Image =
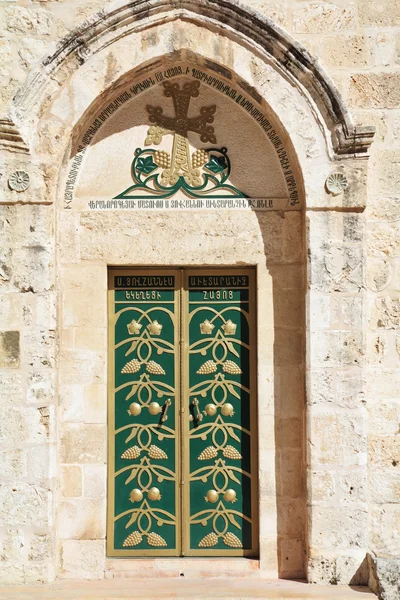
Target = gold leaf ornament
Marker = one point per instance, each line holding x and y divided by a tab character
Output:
208	541
133	366
153	539
133	539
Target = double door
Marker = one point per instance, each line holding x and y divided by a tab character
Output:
182	468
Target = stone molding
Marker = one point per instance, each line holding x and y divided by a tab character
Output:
256	31
11	138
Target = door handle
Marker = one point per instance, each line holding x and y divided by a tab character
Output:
164	416
198	416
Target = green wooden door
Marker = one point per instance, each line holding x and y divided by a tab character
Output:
182	434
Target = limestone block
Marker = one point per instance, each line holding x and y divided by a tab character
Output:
13	464
384	208
39	349
82	367
41	387
69	239
337	348
10	311
82	559
349	51
352	486
277	11
42	463
292	558
379	274
352	312
78	308
291	517
376	348
314	17
82	518
321	486
382	14
38	573
339	439
72	403
351	388
336	267
385	529
383	383
12	575
289	391
290	475
45	311
94	338
386	313
289	433
23	20
83	277
95	404
11	390
292	247
384	48
384	416
321	386
14	428
384	576
32	268
382	241
9	349
379	119
341	569
384	485
94	481
25	504
42	182
286	277
84	444
375	90
71	481
338	528
384	451
12	545
289	349
288	309
40	547
386	172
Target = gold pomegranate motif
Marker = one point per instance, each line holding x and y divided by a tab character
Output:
210	410
135	409
230	495
227	409
132	366
208	367
230	539
154	493
230	367
136	495
156	452
208	541
153	539
231	452
133	539
208	453
154	408
212	496
154	368
131	453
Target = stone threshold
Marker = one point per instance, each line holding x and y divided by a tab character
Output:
195	568
183	588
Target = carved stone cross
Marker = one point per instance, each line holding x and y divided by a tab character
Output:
181	164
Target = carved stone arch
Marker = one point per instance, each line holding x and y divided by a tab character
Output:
229	17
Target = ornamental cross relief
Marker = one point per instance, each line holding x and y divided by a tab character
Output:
180	125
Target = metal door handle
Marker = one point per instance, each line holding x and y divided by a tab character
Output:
199	416
166	407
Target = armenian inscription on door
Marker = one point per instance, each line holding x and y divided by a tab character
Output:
182	436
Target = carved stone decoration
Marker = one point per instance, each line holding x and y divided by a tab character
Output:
19	181
336	183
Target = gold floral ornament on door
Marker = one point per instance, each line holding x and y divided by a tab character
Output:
161	174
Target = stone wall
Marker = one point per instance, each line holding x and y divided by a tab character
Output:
353	305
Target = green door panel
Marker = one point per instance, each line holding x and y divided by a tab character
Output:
221	380
182	473
143	418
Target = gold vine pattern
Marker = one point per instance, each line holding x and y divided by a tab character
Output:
142	391
220	389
